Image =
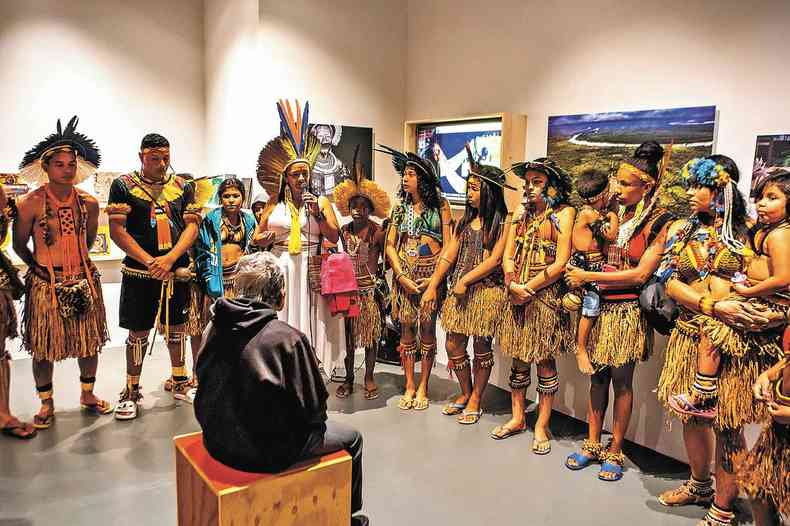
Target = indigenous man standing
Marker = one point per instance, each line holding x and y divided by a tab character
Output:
64	310
154	219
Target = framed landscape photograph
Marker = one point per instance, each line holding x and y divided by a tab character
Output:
602	140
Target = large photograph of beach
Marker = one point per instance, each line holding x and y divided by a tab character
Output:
602	140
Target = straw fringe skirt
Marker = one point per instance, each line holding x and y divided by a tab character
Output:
535	332
366	328
199	308
743	358
478	313
406	307
764	473
620	335
47	336
8	323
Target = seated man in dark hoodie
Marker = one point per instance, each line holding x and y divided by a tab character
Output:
262	401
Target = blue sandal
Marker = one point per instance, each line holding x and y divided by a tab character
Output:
612	467
580	460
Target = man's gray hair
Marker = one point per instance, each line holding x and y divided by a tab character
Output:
259	277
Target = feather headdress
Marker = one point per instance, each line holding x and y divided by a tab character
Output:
559	185
489	173
360	186
401	160
293	145
31	169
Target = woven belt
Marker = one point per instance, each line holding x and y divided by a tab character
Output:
135	272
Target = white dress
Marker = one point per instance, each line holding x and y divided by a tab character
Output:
304	310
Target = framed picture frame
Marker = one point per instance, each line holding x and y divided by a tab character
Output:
498	139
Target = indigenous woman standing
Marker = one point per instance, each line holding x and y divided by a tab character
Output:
294	226
477	296
621	336
419	229
705	252
223	238
534	327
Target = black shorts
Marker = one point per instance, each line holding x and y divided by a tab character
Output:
140	301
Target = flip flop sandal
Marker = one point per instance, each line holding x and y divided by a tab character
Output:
581	461
371	394
468	418
19	430
421	404
102	407
405	404
541	447
43	422
612	467
507	432
344	390
168	385
453	408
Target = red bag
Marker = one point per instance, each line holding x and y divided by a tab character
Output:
339	285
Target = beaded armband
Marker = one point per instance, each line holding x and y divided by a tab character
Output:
118	209
192	213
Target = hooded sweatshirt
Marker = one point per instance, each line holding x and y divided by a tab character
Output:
261	393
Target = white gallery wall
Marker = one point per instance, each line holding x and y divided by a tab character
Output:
557	58
126	68
347	57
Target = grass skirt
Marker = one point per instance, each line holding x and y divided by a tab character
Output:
478	313
743	358
199	308
366	328
406	307
196	321
47	336
620	335
764	473
8	324
535	332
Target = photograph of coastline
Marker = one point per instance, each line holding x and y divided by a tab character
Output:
773	150
602	140
445	143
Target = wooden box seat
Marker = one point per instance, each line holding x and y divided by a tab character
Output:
315	492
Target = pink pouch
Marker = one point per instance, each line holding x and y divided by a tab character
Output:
337	274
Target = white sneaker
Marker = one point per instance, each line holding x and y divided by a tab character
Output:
126	410
183	391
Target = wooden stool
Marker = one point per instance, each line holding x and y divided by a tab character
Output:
316	492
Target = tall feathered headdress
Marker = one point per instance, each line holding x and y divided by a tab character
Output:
293	145
31	168
360	186
401	160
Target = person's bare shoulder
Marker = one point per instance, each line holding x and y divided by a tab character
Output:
30	202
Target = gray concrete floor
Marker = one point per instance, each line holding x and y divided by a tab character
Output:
420	467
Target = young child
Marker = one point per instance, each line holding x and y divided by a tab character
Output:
767	278
363	240
596	226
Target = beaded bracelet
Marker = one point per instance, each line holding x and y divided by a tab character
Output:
780	397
